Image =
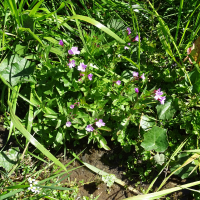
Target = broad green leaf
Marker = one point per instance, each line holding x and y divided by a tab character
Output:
52	40
156	139
32	140
9	158
147	122
159	158
16	69
166	111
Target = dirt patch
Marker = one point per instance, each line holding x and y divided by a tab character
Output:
93	183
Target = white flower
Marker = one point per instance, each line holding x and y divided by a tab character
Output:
32	188
30	180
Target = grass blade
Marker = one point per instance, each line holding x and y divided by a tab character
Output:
32	140
98	25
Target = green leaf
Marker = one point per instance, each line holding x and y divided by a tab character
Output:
105	128
147	122
9	158
166	111
98	25
32	140
159	158
156	139
16	69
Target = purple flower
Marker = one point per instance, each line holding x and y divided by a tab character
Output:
72	106
71	64
100	123
118	82
136	38
136	90
162	100
90	76
129	30
89	128
142	77
61	43
82	67
68	124
158	94
135	74
81	74
126	47
129	44
74	51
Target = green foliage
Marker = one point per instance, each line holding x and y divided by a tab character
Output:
156	139
35	67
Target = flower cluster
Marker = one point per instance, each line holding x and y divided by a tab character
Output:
136	74
32	187
71	64
99	124
158	96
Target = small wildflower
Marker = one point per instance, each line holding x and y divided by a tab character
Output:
74	51
31	180
158	94
35	182
79	79
71	64
72	106
142	77
37	190
81	74
136	38
82	67
100	123
32	188
136	90
129	44
129	30
94	66
90	76
119	55
68	124
118	82
126	47
61	43
135	74
89	128
162	99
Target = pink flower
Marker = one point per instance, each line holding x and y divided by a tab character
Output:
135	74
89	128
142	77
129	44
82	67
90	76
129	30
126	47
81	74
118	82
74	51
61	43
71	64
136	90
136	38
162	100
68	124
100	123
158	94
72	106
